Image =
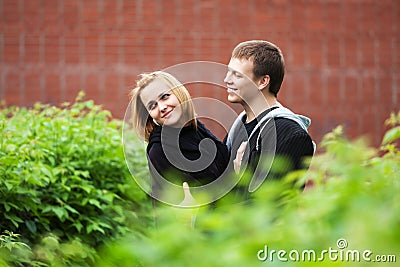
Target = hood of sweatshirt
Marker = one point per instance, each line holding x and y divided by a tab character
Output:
279	112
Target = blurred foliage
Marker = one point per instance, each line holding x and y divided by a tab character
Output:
354	200
63	174
67	191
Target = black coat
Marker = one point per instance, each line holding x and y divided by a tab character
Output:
184	163
282	141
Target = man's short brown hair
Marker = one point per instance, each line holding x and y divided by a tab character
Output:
267	59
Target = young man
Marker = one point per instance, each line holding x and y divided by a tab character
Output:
265	133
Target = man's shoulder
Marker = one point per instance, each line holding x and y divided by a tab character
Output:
288	126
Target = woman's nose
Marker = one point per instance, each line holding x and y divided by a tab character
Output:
162	105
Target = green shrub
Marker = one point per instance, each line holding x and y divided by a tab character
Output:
66	190
63	172
352	207
17	252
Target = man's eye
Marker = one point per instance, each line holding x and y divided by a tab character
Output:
237	74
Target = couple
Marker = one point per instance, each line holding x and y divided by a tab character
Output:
164	116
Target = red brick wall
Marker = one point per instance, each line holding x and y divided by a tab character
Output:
342	56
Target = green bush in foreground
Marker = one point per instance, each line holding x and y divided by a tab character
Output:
66	191
350	217
64	180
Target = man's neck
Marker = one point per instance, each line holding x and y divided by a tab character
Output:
255	109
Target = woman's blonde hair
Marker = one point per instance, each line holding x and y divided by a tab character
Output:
142	122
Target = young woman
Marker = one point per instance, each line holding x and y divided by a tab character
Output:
180	148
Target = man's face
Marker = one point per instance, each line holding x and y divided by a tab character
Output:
240	81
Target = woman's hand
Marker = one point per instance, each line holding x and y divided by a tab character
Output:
239	156
188	199
188	216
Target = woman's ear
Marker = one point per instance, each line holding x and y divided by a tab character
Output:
263	82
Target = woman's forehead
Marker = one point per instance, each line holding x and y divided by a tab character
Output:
153	90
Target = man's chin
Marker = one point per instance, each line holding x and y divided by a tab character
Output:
234	99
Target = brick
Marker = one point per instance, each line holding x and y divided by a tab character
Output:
351	53
298	53
352	124
91	18
52	53
317	89
388	19
333	17
92	87
347	49
333	98
367	51
386	48
299	94
72	49
130	12
110	14
10	14
13	88
111	49
396	92
31	16
32	47
368	19
316	53
286	91
351	18
316	17
91	49
112	95
51	19
333	52
386	85
149	49
11	50
53	88
352	90
129	81
72	14
32	80
72	86
368	90
298	14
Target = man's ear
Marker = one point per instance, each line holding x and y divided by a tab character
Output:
263	82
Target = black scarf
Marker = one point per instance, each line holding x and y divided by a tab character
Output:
187	162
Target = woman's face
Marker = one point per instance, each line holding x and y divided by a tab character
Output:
162	105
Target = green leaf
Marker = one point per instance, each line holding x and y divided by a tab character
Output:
14	219
6	206
94	227
391	135
95	202
71	209
47	171
78	226
31	226
60	212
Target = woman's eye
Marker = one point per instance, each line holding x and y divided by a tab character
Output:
165	96
152	106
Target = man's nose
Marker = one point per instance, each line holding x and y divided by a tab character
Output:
227	78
